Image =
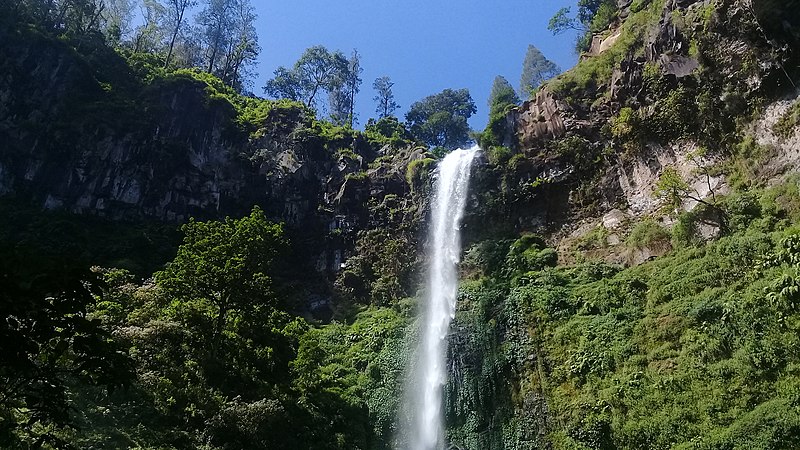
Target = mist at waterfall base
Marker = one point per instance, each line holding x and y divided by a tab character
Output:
423	427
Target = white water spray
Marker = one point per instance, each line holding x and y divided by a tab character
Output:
426	430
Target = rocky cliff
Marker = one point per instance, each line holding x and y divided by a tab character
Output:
90	131
669	84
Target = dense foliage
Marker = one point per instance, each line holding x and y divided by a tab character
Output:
536	69
206	342
697	349
224	43
440	120
206	352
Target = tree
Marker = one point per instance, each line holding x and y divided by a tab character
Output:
502	94
175	13
501	98
149	33
384	97
317	70
342	95
117	16
593	16
48	340
224	269
536	69
285	84
440	120
216	22
673	190
561	22
243	48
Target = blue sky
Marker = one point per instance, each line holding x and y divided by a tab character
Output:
424	46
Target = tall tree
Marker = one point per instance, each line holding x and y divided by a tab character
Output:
502	93
342	95
117	16
317	70
440	120
536	69
149	33
174	19
243	48
384	97
223	270
215	21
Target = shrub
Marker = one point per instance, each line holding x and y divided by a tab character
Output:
684	232
418	171
583	81
638	5
594	239
357	176
648	234
498	156
387	131
787	124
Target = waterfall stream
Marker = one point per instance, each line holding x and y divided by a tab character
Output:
424	392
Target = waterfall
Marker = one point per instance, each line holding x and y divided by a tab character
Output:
424	391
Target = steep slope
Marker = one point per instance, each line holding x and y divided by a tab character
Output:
662	140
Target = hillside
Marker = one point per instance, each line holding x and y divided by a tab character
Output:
629	278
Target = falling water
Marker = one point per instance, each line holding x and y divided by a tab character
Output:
426	431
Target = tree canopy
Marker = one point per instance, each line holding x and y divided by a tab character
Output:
536	69
384	97
216	36
593	16
224	269
502	93
440	120
47	341
318	69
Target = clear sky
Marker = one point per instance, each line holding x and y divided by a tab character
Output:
424	46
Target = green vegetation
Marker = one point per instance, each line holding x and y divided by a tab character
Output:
536	69
648	234
384	97
594	16
77	242
502	99
210	342
440	120
586	78
787	124
224	43
418	171
388	131
317	72
206	352
695	349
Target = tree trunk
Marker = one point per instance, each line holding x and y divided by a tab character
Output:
214	48
174	36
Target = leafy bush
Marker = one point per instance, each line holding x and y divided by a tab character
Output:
387	131
648	234
529	253
498	156
418	171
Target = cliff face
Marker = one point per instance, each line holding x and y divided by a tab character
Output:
678	109
667	85
91	133
69	143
